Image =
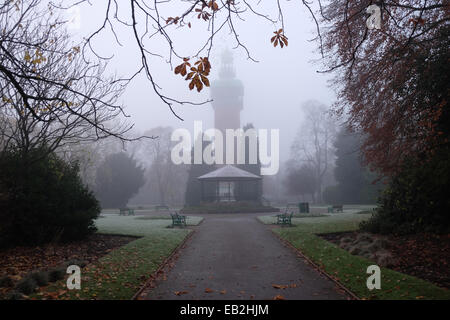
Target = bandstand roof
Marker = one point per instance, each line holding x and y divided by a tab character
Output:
229	172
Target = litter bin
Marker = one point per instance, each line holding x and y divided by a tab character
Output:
303	207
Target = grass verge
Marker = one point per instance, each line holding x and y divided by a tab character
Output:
121	273
348	269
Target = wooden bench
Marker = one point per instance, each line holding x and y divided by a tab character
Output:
285	218
126	212
178	220
161	207
336	208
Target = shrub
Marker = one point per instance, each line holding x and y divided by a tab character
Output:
6	282
26	286
45	199
14	295
118	179
41	278
416	199
228	207
56	274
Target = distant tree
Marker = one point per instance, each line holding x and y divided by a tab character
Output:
355	182
193	194
313	144
301	180
117	180
164	177
90	155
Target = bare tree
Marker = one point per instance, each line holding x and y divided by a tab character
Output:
156	22
90	155
300	180
313	144
166	178
50	93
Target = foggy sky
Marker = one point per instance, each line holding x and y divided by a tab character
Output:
274	88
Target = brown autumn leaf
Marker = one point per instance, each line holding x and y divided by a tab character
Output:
223	291
280	286
280	38
208	290
182	68
171	19
199	85
198	74
205	80
202	14
179	293
213	5
279	297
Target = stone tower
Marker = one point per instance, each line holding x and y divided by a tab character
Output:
227	93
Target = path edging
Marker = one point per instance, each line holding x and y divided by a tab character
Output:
316	266
162	265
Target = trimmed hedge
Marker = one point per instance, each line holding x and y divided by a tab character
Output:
229	207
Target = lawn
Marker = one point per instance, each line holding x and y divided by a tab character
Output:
348	269
121	273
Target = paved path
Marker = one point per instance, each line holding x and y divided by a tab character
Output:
240	255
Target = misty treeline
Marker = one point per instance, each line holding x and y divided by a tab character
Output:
326	165
59	108
145	175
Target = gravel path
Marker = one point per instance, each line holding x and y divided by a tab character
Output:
234	256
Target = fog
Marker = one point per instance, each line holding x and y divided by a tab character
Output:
223	150
274	87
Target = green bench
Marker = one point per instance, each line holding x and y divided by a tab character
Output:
178	220
336	208
126	212
285	218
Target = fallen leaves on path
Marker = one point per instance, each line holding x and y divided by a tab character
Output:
279	297
223	291
179	293
280	286
208	290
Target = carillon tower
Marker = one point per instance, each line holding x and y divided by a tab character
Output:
227	93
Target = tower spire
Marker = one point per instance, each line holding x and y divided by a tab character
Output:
227	70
